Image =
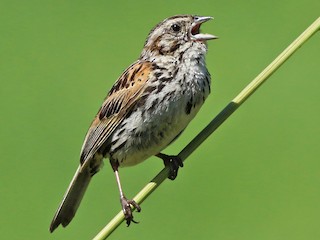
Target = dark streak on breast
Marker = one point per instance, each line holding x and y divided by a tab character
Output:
154	104
160	87
181	56
208	82
170	94
166	79
158	74
150	89
156	66
141	101
188	108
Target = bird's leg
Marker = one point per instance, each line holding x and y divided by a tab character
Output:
125	203
173	162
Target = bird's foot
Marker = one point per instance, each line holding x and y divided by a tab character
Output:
127	211
173	162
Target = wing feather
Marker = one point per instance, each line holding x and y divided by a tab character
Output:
123	96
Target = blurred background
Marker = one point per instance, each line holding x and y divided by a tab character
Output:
256	177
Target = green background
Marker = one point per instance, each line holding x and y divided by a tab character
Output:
257	177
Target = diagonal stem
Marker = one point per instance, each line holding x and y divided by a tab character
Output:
215	123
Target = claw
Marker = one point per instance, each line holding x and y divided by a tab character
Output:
174	162
127	211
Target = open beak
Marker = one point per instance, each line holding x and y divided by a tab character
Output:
195	30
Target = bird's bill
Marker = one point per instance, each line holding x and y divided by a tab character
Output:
195	29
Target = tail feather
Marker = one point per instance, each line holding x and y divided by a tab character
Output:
72	198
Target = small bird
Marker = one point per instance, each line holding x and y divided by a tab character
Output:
147	108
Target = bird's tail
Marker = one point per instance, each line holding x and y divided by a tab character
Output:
72	198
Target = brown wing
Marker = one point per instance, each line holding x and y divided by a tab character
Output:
123	96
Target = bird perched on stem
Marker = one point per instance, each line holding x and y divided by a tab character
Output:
147	108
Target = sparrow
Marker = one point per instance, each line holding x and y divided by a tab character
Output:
147	108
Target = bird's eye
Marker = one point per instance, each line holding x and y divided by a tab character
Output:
175	27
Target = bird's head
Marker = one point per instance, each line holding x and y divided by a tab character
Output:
173	33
